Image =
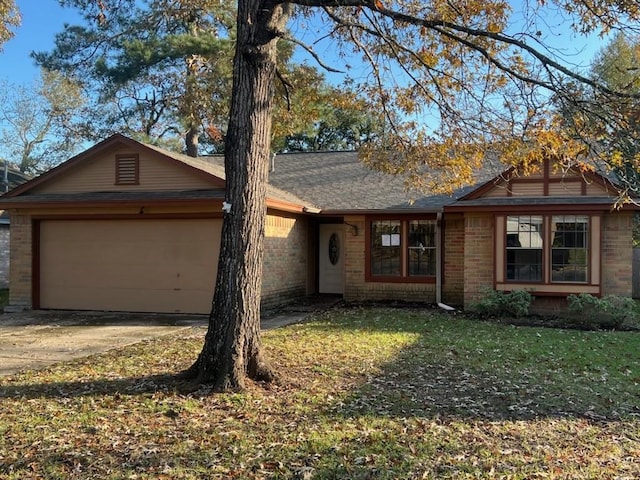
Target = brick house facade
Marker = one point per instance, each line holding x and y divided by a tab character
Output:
129	226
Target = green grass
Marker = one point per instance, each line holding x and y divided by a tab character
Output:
363	393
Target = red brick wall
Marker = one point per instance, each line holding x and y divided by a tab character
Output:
354	285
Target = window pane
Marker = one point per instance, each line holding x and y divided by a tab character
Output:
422	247
570	248
385	247
524	245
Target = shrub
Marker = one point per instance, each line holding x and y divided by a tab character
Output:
609	312
494	303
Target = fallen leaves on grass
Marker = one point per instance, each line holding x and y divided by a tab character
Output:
366	393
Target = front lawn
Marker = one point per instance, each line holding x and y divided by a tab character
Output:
365	394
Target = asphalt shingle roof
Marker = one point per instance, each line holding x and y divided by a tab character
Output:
339	181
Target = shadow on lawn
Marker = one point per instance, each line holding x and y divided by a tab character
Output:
398	421
446	373
119	386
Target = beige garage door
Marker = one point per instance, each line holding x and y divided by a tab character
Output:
129	265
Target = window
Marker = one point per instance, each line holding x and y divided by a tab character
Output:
569	248
402	249
524	248
385	247
422	247
547	249
127	170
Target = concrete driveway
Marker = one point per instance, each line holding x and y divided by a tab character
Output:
38	338
35	339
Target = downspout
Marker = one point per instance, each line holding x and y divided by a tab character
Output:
439	257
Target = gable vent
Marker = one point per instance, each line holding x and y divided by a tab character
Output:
127	170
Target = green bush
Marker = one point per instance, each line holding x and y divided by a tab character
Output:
494	303
608	313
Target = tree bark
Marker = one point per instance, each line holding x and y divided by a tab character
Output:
191	141
232	349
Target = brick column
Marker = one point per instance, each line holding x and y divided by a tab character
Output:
479	243
20	269
617	253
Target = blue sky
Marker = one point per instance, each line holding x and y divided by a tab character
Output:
41	20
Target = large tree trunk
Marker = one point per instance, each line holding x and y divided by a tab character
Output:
232	349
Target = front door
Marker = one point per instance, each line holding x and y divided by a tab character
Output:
331	259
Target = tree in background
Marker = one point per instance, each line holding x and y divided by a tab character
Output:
609	125
163	73
617	65
39	122
336	120
450	79
9	19
159	71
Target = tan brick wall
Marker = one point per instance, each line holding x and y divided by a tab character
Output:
354	261
453	248
5	252
479	250
20	269
285	259
617	253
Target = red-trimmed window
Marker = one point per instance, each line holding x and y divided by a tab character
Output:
386	247
401	250
569	248
525	242
547	248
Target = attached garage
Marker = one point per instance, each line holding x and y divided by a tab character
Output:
130	227
151	265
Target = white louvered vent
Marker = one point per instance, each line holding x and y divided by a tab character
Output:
127	170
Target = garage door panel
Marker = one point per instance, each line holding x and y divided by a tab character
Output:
129	265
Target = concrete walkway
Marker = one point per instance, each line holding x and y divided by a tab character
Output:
34	339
